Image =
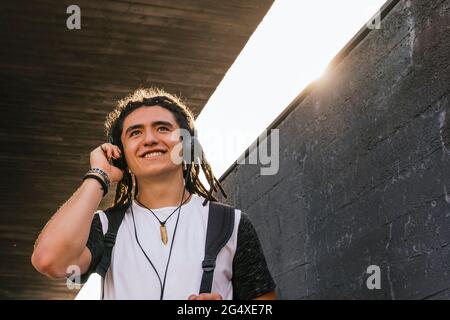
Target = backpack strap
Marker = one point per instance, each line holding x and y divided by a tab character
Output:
220	228
115	217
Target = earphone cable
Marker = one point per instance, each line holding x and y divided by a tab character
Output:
161	283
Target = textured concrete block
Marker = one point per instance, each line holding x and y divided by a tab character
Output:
364	174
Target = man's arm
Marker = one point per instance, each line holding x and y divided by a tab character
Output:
251	276
62	242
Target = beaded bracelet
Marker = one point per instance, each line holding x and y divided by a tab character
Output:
102	173
100	180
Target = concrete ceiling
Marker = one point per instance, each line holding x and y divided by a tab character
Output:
58	84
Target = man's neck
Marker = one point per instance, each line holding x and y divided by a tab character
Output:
162	191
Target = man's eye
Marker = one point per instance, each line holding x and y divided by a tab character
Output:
164	128
133	133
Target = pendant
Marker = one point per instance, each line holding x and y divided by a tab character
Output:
163	231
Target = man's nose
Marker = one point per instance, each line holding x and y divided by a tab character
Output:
150	138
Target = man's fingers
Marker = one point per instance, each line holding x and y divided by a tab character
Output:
206	296
107	150
216	296
110	151
104	148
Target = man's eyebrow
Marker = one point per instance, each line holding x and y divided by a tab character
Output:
163	123
155	123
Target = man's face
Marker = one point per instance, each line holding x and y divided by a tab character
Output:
147	138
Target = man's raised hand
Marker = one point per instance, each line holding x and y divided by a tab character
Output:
101	157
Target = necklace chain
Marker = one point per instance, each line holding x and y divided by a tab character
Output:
163	222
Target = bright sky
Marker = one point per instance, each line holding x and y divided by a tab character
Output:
291	47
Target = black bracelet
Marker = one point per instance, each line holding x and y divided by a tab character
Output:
102	173
100	180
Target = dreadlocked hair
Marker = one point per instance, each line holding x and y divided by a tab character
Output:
127	188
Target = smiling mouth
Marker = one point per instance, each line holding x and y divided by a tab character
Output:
153	155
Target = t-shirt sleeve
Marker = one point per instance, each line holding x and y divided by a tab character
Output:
95	244
251	276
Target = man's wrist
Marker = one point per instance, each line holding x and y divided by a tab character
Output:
93	186
100	180
102	173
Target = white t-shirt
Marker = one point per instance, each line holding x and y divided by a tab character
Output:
131	276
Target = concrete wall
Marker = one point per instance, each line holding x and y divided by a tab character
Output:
364	170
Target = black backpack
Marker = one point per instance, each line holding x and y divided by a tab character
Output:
220	228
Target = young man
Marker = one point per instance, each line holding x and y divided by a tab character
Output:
160	244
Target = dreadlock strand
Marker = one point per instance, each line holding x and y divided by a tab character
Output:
217	183
220	187
210	181
204	190
209	177
199	185
118	194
